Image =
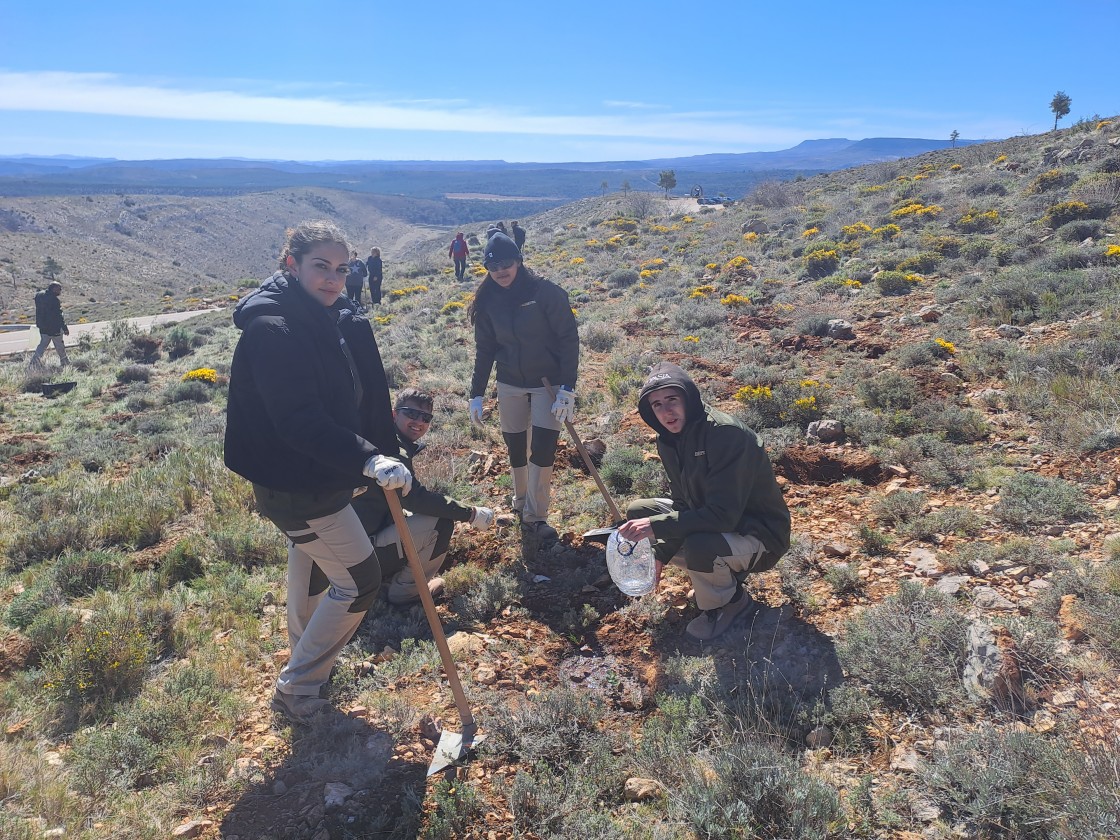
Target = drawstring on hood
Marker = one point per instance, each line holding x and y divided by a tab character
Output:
669	375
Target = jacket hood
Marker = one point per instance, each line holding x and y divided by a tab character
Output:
278	296
669	375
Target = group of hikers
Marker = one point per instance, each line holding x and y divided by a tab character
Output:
358	271
311	424
460	250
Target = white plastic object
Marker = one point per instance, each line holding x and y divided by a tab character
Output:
631	565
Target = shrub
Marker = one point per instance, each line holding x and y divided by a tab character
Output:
598	336
975	221
134	373
1066	211
477	595
909	649
899	508
83	572
183	563
181	341
923	263
1079	230
192	391
143	348
1052	179
821	263
1027	500
895	282
843	580
623	277
889	390
625	471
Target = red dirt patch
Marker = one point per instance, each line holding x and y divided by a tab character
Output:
826	465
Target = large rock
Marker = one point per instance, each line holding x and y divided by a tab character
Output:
991	672
826	430
840	329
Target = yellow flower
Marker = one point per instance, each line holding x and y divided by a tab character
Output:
578	260
1000	159
753	392
750	236
811	232
201	375
947	346
735	301
702	291
691	338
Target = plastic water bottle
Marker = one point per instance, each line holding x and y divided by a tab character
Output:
631	565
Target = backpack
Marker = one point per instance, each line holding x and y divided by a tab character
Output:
458	247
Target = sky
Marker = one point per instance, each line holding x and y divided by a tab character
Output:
536	81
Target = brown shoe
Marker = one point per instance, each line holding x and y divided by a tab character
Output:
712	624
299	708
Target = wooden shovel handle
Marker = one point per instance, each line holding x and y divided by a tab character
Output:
449	669
618	517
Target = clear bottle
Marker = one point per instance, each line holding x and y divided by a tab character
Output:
631	565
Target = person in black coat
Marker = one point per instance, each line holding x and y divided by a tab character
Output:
50	323
307	422
376	270
524	325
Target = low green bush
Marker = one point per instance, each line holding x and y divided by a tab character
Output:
895	282
1028	500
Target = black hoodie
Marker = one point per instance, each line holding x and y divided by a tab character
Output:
302	417
720	479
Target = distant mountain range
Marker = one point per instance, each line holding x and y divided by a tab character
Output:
531	186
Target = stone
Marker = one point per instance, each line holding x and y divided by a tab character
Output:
1069	620
929	314
991	671
819	737
836	549
951	584
279	788
1009	331
639	790
840	329
485	675
987	598
192	828
905	760
462	642
924	562
336	793
826	430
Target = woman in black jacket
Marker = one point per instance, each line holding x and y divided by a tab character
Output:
525	325
307	419
376	274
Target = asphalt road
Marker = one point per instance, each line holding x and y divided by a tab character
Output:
14	341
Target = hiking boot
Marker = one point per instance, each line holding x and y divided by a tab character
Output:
399	596
541	531
712	624
299	708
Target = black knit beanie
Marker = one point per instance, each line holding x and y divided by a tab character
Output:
500	248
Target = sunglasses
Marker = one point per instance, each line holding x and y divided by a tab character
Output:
500	266
416	414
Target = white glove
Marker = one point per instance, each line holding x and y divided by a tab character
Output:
564	409
476	410
389	472
482	518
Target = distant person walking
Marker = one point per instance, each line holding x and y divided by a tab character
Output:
502	228
490	231
518	235
355	279
525	324
376	271
50	323
459	252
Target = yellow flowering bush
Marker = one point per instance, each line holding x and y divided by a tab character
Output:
201	375
692	339
578	261
810	232
947	346
687	220
656	264
739	265
976	222
1000	159
752	393
1103	124
712	266
956	167
887	231
874	188
105	661
702	291
734	301
1066	211
916	208
383	320
856	230
750	236
410	290
620	224
1112	252
822	262
453	306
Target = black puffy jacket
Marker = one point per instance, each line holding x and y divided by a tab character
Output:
301	418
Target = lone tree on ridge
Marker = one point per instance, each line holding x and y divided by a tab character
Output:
1060	106
667	180
953	137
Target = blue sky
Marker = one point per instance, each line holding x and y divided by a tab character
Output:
536	81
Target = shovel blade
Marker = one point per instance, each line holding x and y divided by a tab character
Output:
452	748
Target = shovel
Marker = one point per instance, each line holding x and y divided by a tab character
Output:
598	534
452	746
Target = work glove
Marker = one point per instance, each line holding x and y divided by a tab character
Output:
564	409
476	410
389	473
481	519
65	330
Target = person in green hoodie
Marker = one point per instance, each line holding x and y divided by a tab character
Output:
726	517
